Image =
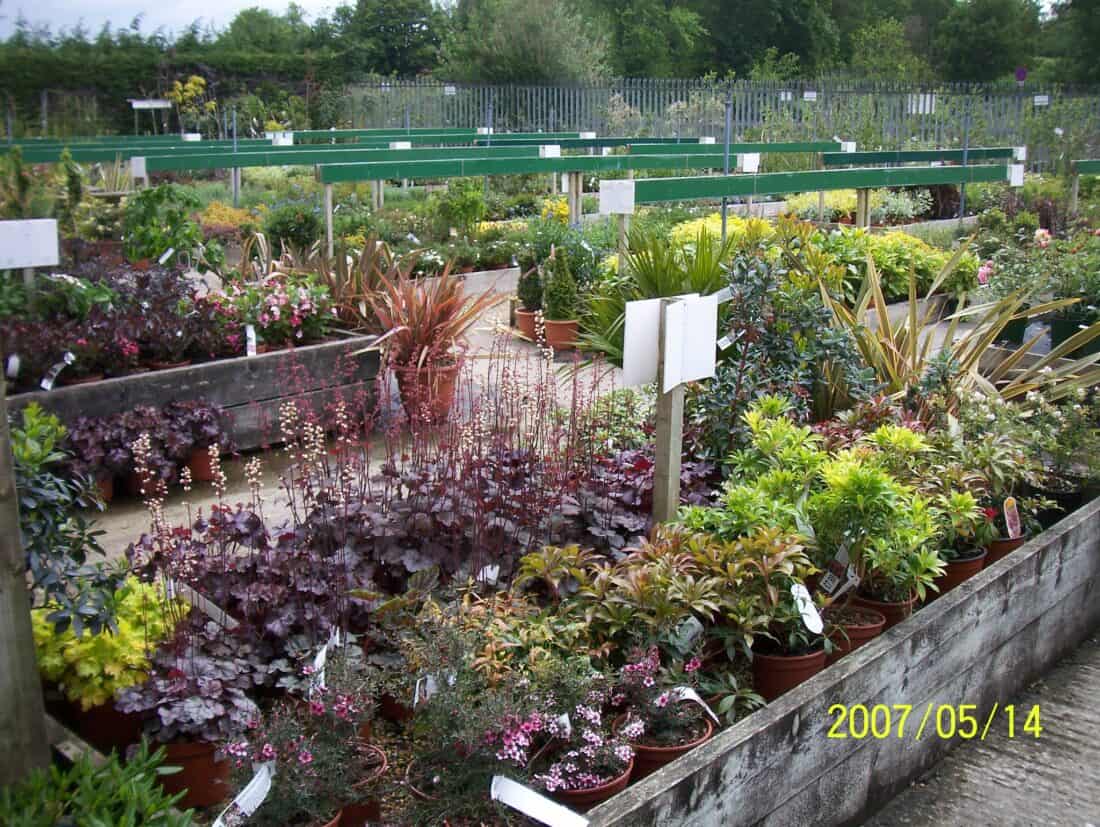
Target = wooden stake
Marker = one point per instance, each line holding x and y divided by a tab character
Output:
22	714
1074	192
670	436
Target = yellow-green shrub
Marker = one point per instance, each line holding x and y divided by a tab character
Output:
91	669
219	214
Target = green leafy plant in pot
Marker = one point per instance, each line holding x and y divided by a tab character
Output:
529	290
965	531
424	323
561	300
885	528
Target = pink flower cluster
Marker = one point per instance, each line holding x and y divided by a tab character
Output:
518	734
984	272
1042	238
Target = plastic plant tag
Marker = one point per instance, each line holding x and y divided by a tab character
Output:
725	343
1012	519
47	382
686	693
807	609
835	572
13	366
317	676
167	254
249	340
489	574
533	804
686	633
425	687
565	724
251	797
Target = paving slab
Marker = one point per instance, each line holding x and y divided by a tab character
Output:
1020	781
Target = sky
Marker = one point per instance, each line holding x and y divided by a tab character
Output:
173	16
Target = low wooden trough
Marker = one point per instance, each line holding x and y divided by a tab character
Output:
979	644
249	388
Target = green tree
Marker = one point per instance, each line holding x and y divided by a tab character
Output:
388	37
515	41
983	40
1071	38
881	51
650	38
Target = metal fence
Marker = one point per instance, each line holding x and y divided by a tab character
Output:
1055	123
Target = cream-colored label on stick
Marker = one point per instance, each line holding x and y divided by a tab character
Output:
533	804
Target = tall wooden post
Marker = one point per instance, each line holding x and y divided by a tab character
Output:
670	435
22	714
1074	190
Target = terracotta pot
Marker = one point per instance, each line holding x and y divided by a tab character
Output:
105	728
202	469
647	759
82	380
525	323
772	675
894	613
855	634
394	710
585	799
561	335
157	364
106	486
142	264
1002	548
132	484
427	393
360	813
957	571
205	779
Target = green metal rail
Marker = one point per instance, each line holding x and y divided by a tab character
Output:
1085	167
314	154
651	190
839	159
464	167
112	152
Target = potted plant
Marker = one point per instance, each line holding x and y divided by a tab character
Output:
965	532
884	527
561	301
91	669
167	338
424	323
325	769
785	651
529	290
659	727
194	702
195	435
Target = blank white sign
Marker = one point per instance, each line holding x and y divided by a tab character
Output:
31	243
691	326
640	341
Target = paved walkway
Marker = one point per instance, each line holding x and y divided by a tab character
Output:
1021	782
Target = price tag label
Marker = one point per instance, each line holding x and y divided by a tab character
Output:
807	609
48	381
13	366
249	340
167	254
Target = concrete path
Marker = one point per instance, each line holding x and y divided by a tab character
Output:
1021	781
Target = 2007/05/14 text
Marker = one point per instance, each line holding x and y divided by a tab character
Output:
937	720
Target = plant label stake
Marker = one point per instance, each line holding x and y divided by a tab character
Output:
249	340
836	570
1012	519
532	804
810	616
686	693
250	798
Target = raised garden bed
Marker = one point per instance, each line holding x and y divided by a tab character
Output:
980	644
249	388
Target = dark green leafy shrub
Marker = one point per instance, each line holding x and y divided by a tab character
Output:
560	296
157	220
529	290
295	226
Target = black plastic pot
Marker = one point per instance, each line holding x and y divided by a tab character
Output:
1062	328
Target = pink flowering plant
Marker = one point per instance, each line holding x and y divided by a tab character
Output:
286	308
590	755
654	715
321	762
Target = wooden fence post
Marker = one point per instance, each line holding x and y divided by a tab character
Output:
22	714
